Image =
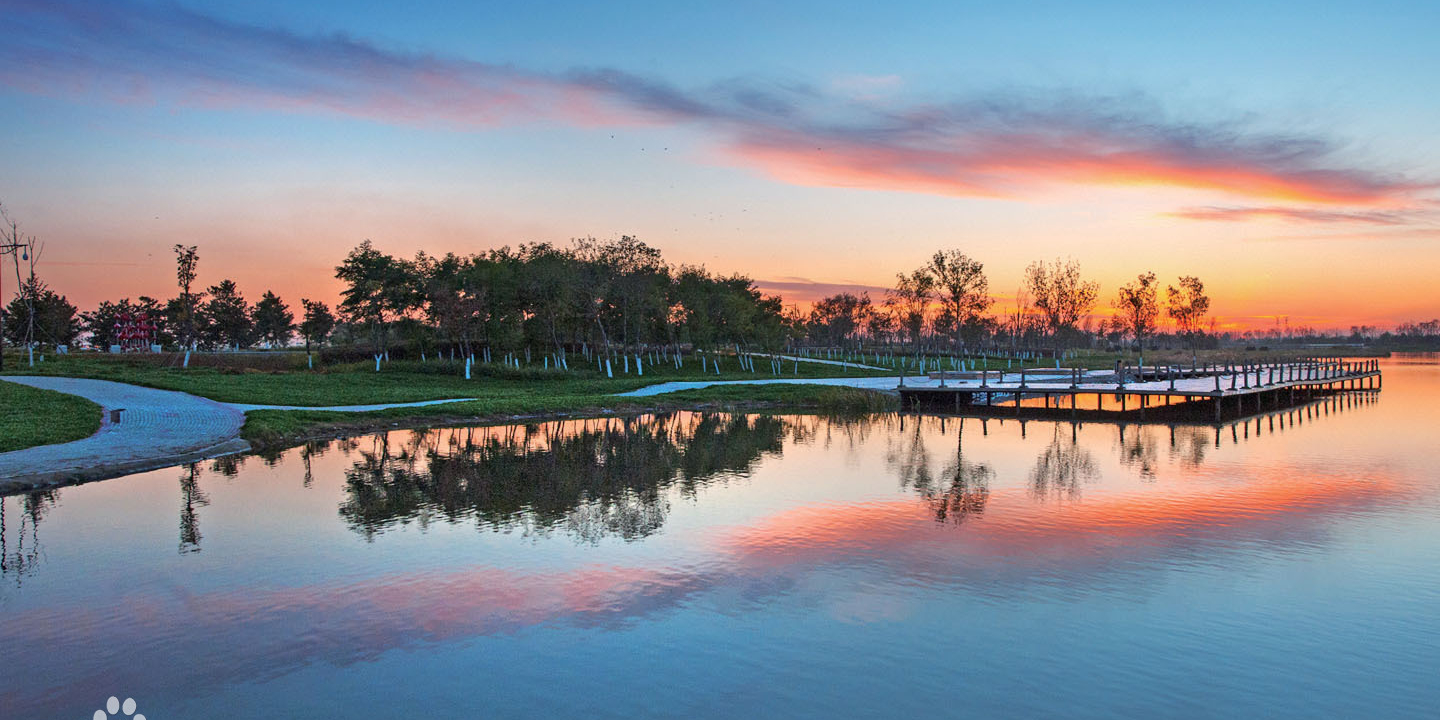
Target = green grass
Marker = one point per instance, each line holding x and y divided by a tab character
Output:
30	417
501	392
357	384
278	427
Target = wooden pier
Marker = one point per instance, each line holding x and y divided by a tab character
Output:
1218	390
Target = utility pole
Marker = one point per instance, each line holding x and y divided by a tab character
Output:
12	247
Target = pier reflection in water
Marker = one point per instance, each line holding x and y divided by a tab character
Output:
829	566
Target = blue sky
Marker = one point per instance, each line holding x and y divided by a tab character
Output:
811	142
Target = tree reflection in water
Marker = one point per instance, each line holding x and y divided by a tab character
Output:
1140	446
961	488
191	499
591	478
21	556
1062	468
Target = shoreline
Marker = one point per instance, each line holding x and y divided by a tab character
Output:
351	425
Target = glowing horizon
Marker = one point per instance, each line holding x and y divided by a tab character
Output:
276	138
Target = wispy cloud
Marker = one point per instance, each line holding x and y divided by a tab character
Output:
805	290
1378	235
1001	143
1301	215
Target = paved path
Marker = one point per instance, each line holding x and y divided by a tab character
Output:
822	361
156	429
864	383
245	407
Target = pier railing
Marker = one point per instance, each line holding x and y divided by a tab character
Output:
1228	387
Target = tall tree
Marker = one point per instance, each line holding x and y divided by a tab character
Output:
1062	298
1187	306
548	284
963	289
56	322
379	288
274	323
1137	308
184	316
26	249
226	317
839	317
317	323
909	301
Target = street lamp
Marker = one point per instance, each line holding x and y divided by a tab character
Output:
11	247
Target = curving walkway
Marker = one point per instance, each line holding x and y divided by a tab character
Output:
158	428
887	383
864	383
822	361
246	407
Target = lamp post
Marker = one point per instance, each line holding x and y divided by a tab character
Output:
11	247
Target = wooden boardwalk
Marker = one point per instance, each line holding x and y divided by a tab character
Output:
1227	390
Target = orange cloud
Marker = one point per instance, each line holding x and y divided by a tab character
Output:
986	144
1011	165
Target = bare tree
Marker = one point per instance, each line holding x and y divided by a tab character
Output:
26	249
1137	308
909	301
1187	306
1018	321
1060	295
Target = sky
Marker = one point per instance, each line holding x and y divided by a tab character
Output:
1284	154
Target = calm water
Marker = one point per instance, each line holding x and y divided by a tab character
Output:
724	566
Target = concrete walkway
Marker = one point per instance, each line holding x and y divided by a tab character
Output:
156	429
245	407
864	383
822	361
890	383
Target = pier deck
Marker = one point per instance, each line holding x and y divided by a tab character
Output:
1225	388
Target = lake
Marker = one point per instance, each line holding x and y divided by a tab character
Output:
715	565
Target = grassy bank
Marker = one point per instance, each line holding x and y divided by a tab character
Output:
359	384
502	393
271	428
30	416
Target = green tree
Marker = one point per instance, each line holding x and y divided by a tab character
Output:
963	289
183	315
548	286
836	319
226	318
317	324
274	323
378	289
56	320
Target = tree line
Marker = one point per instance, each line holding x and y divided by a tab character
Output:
616	298
610	298
945	306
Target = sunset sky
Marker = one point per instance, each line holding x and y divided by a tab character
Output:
1286	154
